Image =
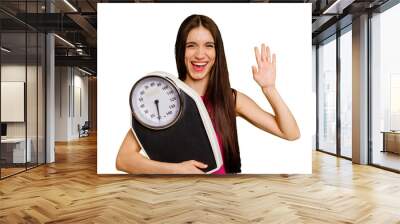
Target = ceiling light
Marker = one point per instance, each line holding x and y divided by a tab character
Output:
337	7
70	5
65	41
84	71
5	50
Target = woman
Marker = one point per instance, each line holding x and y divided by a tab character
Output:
201	63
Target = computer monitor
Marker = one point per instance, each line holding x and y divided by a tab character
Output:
3	129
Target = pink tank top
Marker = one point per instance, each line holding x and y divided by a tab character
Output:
221	170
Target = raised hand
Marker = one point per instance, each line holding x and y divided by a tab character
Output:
265	71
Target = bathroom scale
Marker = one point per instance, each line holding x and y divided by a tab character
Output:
171	122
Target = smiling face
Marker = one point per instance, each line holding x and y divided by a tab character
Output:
199	53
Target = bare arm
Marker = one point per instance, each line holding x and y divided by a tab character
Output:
281	124
131	161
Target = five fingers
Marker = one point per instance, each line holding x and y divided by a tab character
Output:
264	56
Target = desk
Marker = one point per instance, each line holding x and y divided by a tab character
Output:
15	148
391	141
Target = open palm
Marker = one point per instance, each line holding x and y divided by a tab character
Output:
265	71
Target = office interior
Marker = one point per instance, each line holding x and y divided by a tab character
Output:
47	81
49	93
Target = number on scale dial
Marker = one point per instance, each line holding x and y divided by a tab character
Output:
155	102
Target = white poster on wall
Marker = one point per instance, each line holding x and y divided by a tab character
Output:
12	101
135	39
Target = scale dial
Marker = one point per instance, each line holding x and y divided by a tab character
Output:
155	102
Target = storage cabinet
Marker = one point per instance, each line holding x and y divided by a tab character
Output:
391	141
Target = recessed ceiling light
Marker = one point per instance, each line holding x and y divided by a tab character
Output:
84	71
64	40
337	7
5	50
70	5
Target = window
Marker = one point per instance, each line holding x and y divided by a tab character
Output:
346	93
385	88
327	96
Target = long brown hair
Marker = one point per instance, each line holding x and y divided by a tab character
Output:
218	93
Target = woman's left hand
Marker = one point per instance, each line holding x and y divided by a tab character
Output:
265	71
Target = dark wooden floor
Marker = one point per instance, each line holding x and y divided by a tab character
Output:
70	191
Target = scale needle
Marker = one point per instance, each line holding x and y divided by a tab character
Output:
158	110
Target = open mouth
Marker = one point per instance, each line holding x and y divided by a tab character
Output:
199	66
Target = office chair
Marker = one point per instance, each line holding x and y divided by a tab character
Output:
84	130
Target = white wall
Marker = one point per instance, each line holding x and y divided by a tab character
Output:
32	76
71	94
62	81
260	152
80	84
13	73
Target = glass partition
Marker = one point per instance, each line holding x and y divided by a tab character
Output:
22	63
13	110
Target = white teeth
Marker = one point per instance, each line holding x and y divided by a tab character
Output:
200	64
